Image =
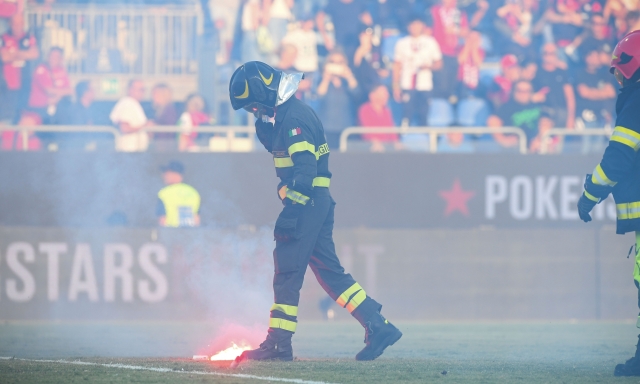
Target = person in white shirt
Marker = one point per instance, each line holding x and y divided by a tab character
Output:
130	118
415	58
306	42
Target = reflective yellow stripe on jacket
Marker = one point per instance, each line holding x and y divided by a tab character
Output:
286	162
628	211
627	137
600	178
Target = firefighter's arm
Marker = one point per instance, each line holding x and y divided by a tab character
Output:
302	149
618	157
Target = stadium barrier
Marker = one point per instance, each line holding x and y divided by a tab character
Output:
433	134
564	132
133	274
225	139
242	138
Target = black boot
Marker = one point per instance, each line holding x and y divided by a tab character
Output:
277	346
632	366
379	333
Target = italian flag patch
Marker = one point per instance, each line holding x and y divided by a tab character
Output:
295	132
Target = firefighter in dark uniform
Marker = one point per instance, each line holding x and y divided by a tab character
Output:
619	171
292	132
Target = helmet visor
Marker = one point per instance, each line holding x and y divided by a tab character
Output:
619	77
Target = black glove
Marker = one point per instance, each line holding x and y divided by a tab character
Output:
287	222
585	205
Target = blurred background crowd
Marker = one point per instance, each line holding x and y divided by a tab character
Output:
531	64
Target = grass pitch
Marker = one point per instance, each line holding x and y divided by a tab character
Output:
442	353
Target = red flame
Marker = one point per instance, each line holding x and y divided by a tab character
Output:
230	353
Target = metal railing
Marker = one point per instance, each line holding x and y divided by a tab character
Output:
563	132
229	143
433	134
25	130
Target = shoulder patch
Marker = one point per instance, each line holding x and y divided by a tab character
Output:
295	132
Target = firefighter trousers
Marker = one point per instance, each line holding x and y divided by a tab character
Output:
314	247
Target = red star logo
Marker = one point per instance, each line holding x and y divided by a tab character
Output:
456	199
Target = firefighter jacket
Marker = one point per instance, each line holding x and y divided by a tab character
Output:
619	170
300	150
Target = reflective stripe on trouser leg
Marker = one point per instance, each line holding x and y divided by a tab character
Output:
287	325
352	297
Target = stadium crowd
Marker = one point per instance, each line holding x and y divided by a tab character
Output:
532	64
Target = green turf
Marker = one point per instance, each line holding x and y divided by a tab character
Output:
469	353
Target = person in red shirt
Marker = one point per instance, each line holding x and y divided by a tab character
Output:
450	27
376	113
49	85
16	48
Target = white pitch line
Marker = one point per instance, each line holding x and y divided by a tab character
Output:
167	370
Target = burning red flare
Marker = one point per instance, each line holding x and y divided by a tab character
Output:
230	353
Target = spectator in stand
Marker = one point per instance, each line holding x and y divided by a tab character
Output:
337	90
619	10
8	8
288	58
130	118
499	91
516	24
450	28
469	60
632	23
164	113
279	15
195	114
250	20
368	66
566	20
554	87
82	111
17	48
376	113
50	84
14	140
596	98
305	41
416	56
347	17
595	37
522	112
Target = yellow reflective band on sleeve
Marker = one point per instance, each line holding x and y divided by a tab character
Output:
628	211
344	297
600	178
321	182
627	137
301	147
322	150
356	300
283	162
289	310
283	324
297	196
591	197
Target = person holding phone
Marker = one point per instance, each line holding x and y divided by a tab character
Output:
338	88
554	88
